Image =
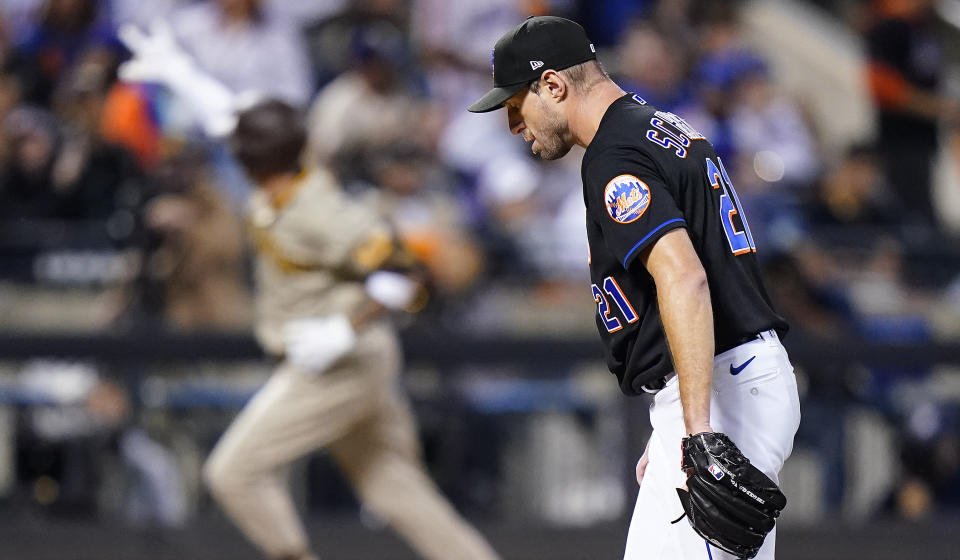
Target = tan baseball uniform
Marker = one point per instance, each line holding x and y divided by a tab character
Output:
313	252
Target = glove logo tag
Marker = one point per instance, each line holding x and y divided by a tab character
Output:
746	491
716	471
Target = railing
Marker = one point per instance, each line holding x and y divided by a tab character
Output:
447	349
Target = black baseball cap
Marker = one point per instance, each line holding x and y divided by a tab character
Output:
523	53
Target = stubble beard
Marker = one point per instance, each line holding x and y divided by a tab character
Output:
553	144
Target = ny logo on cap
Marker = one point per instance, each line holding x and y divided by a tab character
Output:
534	64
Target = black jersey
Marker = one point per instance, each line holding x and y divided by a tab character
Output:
645	173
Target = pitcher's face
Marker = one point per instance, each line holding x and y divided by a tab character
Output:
540	123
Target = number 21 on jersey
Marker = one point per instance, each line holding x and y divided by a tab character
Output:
612	289
741	241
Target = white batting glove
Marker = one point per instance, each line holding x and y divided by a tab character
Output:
391	289
156	55
158	59
316	343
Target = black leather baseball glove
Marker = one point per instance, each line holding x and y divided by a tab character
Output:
729	502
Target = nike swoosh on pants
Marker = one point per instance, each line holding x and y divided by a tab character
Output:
736	370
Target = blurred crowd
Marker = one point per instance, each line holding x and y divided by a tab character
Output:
110	184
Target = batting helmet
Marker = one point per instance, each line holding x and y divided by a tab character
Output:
269	139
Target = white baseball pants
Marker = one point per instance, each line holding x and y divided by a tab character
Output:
756	405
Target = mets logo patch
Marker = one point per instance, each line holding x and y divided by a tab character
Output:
627	198
715	471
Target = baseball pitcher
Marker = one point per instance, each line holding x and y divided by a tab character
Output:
680	302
